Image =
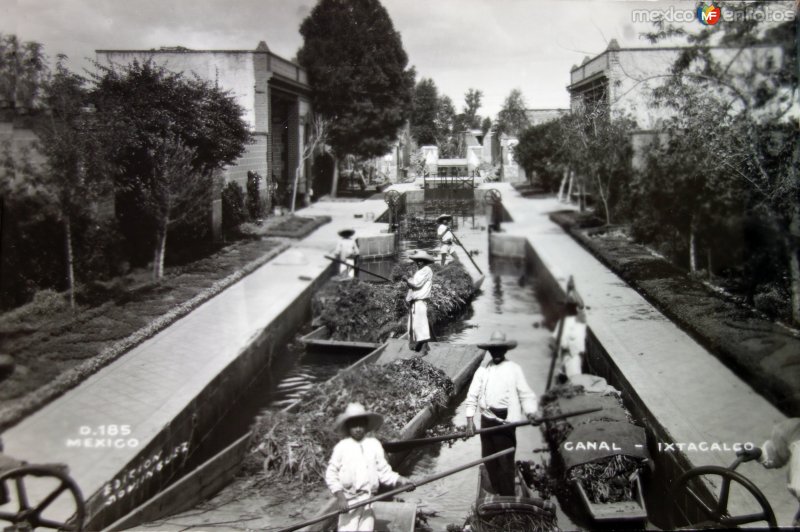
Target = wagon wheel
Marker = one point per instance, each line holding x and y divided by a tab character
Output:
391	197
28	515
717	515
493	196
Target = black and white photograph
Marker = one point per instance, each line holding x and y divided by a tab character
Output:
399	265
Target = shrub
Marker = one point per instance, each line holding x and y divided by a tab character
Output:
45	303
233	213
254	205
772	302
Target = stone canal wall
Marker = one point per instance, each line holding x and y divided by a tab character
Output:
166	456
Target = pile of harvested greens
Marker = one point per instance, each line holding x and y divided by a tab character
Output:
355	310
606	480
511	521
295	447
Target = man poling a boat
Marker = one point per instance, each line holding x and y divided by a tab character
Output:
500	393
347	252
419	291
358	467
445	234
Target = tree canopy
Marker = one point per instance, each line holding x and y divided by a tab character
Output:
425	113
357	69
512	118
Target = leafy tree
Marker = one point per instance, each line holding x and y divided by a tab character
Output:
543	152
472	102
756	86
357	71
23	70
447	128
486	125
164	119
600	150
425	115
76	172
512	119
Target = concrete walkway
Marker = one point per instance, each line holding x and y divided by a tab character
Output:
149	386
689	391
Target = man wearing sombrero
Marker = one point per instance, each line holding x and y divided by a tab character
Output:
499	390
419	291
445	235
347	251
358	467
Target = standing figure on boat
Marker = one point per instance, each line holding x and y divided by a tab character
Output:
347	251
419	291
501	394
358	467
445	234
573	341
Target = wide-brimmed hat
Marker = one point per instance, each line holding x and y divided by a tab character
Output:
444	217
355	410
419	254
347	233
498	340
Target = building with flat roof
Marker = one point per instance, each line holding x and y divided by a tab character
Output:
274	94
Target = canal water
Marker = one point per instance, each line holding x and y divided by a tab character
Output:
509	302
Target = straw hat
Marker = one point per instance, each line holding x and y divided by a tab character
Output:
498	340
419	254
347	233
355	410
444	217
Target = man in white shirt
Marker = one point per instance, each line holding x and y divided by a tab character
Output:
347	251
499	391
419	291
358	467
445	234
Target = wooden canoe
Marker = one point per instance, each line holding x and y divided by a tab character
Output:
320	340
389	517
213	475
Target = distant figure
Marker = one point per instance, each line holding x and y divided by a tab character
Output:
573	341
499	391
419	291
446	236
358	467
347	251
783	448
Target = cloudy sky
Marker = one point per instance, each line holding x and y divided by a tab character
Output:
492	45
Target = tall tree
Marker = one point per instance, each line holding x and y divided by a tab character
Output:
447	128
472	102
23	69
512	119
424	127
543	153
76	172
357	71
162	116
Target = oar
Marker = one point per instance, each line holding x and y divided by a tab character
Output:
356	268
401	445
465	251
400	490
557	353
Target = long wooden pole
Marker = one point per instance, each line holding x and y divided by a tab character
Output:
401	445
356	268
402	489
557	352
465	251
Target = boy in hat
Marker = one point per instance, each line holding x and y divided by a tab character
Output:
358	467
445	235
347	251
499	391
419	291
